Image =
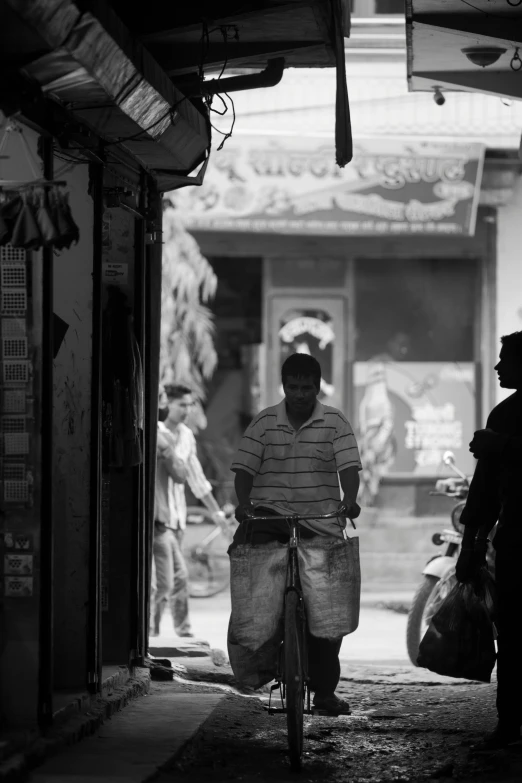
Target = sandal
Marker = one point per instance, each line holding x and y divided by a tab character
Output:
331	705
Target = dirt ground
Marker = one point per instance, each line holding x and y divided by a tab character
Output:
400	731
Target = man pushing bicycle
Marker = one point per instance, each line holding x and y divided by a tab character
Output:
291	460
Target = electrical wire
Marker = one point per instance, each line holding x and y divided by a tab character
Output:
230	132
226	134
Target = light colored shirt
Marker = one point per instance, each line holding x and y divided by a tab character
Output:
185	449
297	471
165	469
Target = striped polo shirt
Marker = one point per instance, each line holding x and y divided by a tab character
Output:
297	470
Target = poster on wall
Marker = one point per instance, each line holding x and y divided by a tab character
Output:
310	331
407	414
291	185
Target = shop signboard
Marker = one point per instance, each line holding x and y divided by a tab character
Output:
407	414
291	185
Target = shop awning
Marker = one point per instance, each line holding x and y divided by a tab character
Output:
93	66
473	46
123	72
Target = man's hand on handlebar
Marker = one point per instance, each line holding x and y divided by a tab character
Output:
245	511
348	508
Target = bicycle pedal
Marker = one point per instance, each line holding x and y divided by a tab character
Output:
274	710
325	713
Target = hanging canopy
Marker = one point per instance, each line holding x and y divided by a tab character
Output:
120	70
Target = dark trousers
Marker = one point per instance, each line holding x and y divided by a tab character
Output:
508	576
323	655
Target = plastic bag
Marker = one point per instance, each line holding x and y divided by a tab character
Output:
257	589
459	640
255	631
479	596
255	669
330	576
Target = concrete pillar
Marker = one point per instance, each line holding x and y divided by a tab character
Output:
73	291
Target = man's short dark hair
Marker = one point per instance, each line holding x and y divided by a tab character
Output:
175	391
513	343
301	365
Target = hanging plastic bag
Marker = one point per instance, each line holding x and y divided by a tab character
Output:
255	632
479	597
26	233
330	576
257	589
44	220
459	640
9	212
68	231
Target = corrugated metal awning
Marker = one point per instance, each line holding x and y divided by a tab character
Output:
100	73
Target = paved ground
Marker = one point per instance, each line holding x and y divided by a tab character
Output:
407	725
136	742
397	734
380	637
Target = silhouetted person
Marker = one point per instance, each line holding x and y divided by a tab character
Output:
496	494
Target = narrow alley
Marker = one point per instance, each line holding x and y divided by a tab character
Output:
408	725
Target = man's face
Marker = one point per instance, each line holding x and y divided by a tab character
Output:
509	370
300	394
179	409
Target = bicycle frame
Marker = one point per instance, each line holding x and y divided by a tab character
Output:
295	655
293	585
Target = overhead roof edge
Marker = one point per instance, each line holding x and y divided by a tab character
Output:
113	83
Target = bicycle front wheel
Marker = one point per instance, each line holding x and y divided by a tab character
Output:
205	549
294	676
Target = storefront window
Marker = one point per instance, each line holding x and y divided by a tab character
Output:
414	374
415	310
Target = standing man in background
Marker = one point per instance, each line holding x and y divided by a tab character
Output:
496	494
176	442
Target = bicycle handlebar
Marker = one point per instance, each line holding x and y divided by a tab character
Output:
296	517
299	517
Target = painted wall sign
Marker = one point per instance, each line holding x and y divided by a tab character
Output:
291	185
409	413
115	274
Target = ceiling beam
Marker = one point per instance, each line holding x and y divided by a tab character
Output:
178	58
506	84
253	13
490	28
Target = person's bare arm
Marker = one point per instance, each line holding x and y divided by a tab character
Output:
349	478
496	446
243	485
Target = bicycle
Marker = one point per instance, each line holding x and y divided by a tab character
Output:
292	678
205	547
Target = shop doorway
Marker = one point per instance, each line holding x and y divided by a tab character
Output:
313	325
235	393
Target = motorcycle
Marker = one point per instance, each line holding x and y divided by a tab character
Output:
439	573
